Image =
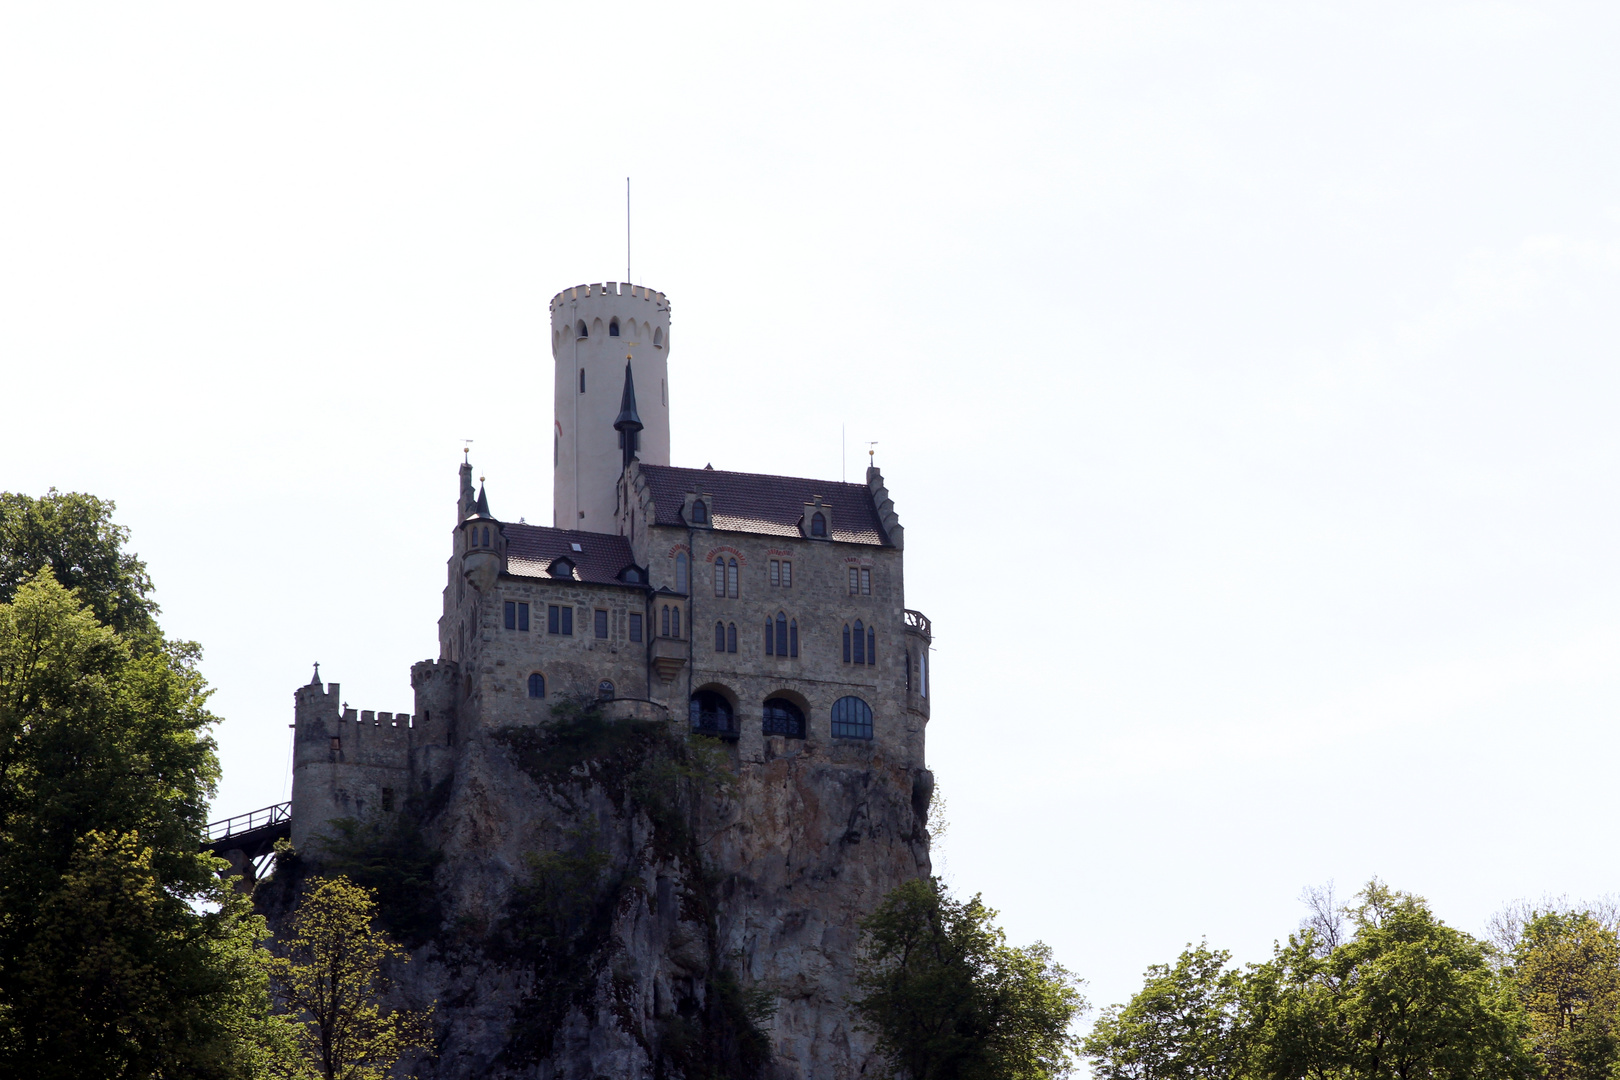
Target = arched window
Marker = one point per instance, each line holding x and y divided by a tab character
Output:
922	672
486	536
663	626
793	638
731	638
658	338
613	328
860	642
582	380
680	572
818	524
675	620
731	578
719	637
537	685
782	717
711	714
781	634
770	639
604	690
719	577
871	645
846	643
580	331
700	513
851	719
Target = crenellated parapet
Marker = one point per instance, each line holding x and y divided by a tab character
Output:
611	288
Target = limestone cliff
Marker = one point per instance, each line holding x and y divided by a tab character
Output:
614	898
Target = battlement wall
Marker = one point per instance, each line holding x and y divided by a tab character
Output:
611	288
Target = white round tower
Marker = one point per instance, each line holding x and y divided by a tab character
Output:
594	329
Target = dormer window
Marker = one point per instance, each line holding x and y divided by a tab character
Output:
562	568
700	513
818	524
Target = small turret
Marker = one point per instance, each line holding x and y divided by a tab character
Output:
484	546
628	425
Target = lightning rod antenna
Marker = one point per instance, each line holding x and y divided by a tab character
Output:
627	276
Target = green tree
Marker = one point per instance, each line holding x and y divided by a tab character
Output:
121	952
949	999
75	538
1405	998
1184	1024
1565	968
331	975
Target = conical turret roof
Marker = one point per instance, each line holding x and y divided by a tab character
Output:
628	417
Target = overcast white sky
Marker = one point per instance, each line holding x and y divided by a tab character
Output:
1245	376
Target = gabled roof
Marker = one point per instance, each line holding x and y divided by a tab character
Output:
760	503
531	549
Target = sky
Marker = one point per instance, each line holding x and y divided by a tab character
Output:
1244	375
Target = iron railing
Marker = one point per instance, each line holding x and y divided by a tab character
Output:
245	823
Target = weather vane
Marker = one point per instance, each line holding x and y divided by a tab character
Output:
465	450
871	451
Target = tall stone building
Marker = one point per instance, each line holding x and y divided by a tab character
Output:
768	612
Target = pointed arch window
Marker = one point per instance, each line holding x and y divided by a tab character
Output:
719	577
658	338
871	645
680	572
770	638
663	625
781	634
731	578
580	331
818	524
613	328
860	642
793	638
485	542
675	619
731	637
846	643
719	637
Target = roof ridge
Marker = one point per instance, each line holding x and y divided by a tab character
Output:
736	472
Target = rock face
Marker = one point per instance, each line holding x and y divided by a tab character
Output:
618	899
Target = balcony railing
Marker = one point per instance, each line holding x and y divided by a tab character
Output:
916	620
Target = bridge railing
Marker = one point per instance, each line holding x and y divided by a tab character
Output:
242	823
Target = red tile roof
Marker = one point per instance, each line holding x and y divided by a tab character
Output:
531	549
758	503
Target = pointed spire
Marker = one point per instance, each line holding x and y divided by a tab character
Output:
316	681
628	425
482	505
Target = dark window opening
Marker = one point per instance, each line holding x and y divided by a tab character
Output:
537	685
719	637
871	646
675	620
818	525
580	331
604	690
731	578
793	638
860	642
663	625
719	577
601	623
680	573
782	717
635	626
731	638
700	513
781	634
486	536
582	380
770	647
511	615
711	714
613	328
851	719
517	615
559	620
846	643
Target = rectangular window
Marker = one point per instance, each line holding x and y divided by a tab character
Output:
635	626
787	574
523	617
601	623
866	582
568	621
663	627
776	572
511	615
676	617
559	620
854	581
793	638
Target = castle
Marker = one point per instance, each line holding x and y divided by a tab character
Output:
766	611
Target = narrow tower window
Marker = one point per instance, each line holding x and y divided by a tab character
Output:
719	637
719	577
846	643
770	648
613	328
582	380
658	338
793	638
675	621
680	573
860	642
731	578
871	646
663	624
781	634
731	638
580	331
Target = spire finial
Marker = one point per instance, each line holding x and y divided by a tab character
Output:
466	450
316	680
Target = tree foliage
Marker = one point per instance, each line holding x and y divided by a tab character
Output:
74	537
1565	967
1184	1024
949	999
331	975
121	953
